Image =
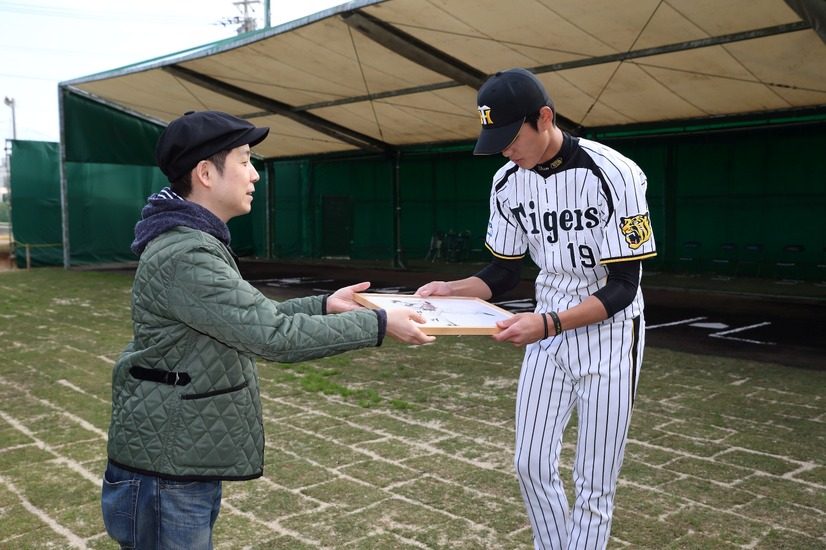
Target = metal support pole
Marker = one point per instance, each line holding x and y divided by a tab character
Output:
398	259
64	192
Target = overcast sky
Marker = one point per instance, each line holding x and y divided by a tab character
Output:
44	42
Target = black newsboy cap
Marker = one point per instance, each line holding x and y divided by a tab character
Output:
198	135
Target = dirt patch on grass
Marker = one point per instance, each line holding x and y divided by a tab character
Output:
7	261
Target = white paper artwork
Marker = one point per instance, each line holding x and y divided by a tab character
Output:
444	314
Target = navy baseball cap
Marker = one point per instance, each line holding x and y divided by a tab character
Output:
198	135
503	102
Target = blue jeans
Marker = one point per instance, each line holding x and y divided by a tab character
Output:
149	513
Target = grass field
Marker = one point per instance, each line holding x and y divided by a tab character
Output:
406	448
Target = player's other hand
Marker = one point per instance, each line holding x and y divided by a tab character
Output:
521	329
342	299
401	325
434	288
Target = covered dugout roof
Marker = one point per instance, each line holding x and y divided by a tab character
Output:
380	75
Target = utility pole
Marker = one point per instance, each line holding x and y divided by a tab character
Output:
10	102
248	23
5	176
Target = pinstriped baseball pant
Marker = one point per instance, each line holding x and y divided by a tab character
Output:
593	370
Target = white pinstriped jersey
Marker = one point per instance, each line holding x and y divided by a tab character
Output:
588	210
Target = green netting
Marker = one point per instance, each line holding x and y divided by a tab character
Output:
289	211
111	170
441	191
447	194
249	233
94	133
35	203
718	190
713	196
763	185
105	201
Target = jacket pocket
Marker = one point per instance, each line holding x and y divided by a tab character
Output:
233	389
212	429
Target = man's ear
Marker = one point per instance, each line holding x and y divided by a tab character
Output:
201	174
546	114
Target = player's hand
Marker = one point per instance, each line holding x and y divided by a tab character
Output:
401	325
434	288
342	299
521	329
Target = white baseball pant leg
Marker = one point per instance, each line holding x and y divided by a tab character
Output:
595	370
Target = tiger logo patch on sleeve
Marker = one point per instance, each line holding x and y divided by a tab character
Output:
636	229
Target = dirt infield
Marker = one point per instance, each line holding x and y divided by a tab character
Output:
756	325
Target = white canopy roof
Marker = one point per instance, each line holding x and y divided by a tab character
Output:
379	75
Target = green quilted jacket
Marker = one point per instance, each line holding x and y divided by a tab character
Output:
196	318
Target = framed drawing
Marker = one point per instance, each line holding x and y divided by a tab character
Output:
444	314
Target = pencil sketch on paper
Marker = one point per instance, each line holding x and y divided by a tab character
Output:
444	314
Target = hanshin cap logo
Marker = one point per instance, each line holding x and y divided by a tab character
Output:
504	101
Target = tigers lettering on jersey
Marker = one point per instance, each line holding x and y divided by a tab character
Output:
553	222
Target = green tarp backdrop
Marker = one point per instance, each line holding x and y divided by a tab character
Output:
35	202
724	197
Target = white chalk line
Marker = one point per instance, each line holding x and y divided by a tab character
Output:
482	530
103	358
275	527
73	539
73	417
724	335
65	462
73	465
82	391
675	323
695	503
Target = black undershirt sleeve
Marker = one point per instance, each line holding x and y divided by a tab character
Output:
501	275
619	291
621	288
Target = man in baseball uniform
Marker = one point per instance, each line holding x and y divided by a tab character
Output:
578	208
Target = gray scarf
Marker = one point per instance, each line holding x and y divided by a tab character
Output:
167	210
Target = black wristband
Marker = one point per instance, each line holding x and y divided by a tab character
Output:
557	323
545	321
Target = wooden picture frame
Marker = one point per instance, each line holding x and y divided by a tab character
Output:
445	314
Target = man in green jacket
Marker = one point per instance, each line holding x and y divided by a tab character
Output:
186	411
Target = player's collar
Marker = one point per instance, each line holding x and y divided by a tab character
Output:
547	168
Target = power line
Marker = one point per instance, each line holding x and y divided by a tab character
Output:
62	12
51	52
30	77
